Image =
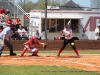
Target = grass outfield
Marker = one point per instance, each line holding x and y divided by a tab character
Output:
46	70
42	70
64	52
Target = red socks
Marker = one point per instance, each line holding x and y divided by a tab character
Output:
59	51
76	51
23	51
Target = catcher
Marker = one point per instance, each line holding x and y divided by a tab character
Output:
30	46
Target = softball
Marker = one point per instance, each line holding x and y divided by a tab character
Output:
72	44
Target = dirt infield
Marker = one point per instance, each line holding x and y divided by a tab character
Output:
86	62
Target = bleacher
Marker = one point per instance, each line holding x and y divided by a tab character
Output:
15	11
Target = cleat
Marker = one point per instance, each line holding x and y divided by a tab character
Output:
34	54
78	57
12	54
58	55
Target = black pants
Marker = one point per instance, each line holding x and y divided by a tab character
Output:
10	46
65	42
16	36
62	38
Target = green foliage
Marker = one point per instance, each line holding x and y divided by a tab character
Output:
28	5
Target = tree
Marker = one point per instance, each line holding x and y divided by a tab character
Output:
40	4
95	4
27	5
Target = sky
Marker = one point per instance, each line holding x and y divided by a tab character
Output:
85	3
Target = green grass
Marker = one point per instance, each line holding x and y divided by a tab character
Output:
64	52
42	70
46	70
72	52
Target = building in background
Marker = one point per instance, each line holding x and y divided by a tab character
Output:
83	23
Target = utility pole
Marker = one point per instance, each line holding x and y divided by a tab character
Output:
45	19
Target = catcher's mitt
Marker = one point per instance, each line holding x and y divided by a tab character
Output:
45	46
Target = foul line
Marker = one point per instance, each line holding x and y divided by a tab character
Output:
82	63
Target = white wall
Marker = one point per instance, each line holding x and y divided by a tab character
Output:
37	16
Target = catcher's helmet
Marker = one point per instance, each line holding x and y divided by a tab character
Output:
34	37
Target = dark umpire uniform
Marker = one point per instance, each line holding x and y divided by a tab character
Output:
5	36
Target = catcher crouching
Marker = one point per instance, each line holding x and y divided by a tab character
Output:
30	46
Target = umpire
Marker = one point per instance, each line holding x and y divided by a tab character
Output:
5	37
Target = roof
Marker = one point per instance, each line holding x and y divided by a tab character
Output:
66	11
10	5
70	5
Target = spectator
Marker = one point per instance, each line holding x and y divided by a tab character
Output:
2	12
5	37
15	36
97	31
17	22
22	33
37	34
8	21
7	12
1	28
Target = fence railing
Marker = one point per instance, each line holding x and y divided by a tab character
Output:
20	8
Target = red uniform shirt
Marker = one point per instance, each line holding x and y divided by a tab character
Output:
0	11
31	42
8	21
3	11
17	21
0	30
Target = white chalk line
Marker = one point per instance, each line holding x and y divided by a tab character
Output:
82	63
70	60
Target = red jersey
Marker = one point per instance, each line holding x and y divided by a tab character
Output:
0	30
8	21
3	11
0	11
17	21
31	42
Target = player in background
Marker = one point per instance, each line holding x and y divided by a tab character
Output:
68	38
30	46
